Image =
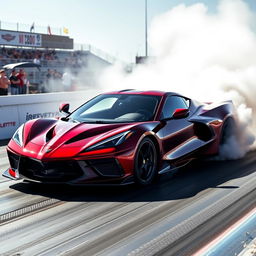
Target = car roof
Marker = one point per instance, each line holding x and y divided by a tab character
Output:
132	91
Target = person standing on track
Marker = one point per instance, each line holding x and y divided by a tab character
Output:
4	82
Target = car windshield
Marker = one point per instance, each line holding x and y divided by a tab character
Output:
117	108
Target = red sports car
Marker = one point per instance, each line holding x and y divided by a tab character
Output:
119	138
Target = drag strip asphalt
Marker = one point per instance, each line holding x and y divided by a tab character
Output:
176	216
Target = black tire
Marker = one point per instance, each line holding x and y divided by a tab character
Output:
145	164
229	129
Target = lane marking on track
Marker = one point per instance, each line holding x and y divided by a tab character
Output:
227	232
28	209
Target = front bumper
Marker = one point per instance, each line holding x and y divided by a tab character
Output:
12	174
65	171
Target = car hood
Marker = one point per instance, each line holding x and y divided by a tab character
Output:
56	138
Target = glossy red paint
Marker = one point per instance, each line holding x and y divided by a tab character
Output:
27	130
98	152
50	141
12	173
180	112
64	107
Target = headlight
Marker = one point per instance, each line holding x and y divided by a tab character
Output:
18	136
111	142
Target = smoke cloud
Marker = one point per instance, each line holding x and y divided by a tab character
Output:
205	56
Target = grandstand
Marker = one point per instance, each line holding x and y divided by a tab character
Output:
55	54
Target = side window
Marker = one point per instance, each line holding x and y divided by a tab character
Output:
172	103
187	102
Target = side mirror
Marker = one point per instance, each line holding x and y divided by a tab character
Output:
64	108
180	113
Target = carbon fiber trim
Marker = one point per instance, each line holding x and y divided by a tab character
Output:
107	167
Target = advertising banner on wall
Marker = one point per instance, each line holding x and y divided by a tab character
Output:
9	121
16	110
20	39
48	110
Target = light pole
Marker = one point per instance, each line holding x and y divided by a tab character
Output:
146	28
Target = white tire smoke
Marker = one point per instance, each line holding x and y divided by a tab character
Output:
206	56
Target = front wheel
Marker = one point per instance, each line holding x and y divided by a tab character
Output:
145	167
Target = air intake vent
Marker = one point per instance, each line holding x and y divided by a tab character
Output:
84	135
91	132
50	134
81	136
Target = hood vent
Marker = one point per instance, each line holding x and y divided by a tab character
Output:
83	135
89	133
50	134
93	132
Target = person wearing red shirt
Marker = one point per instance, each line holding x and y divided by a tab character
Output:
22	85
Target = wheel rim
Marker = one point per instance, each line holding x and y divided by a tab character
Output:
146	162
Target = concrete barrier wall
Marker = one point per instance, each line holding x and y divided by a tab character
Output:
16	110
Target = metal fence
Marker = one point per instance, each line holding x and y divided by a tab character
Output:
44	63
87	47
34	28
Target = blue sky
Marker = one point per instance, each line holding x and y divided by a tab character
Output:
114	26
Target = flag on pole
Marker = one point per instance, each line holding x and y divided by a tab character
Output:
65	30
32	28
49	30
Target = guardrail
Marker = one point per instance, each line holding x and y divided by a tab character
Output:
43	63
17	109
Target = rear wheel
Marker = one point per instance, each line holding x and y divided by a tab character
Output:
229	147
228	131
145	169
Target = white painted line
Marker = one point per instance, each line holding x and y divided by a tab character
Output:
224	234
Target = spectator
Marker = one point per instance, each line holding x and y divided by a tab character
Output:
4	82
14	80
26	83
48	75
22	85
36	60
49	81
56	75
53	81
